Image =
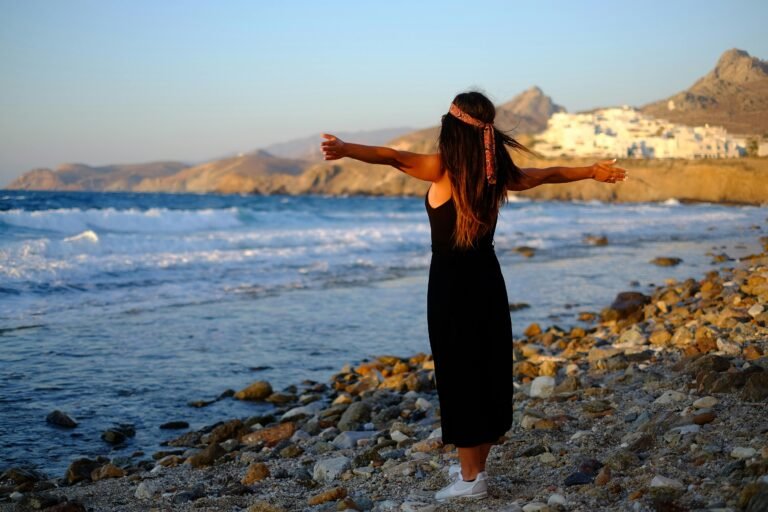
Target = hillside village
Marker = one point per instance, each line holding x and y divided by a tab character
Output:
625	132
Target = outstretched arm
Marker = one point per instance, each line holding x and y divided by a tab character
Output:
601	171
422	166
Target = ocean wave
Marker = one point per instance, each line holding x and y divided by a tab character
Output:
132	220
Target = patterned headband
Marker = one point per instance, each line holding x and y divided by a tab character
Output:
488	140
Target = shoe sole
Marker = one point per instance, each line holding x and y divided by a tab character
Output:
478	496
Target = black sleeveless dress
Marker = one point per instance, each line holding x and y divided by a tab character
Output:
470	334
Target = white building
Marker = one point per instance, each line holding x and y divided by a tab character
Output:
625	132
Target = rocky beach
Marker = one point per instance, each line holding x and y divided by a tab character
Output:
658	402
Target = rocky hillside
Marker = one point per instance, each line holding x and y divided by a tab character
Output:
307	148
86	177
524	115
243	173
734	95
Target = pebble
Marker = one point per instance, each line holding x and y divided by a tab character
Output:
536	506
147	489
417	506
542	387
557	499
670	397
741	452
705	402
349	439
327	470
664	482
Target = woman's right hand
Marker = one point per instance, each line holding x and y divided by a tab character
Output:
605	171
333	148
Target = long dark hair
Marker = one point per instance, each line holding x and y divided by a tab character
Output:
462	155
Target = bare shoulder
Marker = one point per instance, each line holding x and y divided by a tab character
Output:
424	166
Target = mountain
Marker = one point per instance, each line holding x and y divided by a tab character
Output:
733	95
242	173
85	177
308	148
524	115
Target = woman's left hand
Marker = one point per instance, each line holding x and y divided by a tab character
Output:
605	171
333	148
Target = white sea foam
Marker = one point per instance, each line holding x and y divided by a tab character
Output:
76	220
86	236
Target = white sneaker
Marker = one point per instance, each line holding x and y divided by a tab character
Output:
476	489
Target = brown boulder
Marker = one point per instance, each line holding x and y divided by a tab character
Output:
270	435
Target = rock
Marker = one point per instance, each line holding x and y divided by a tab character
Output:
34	501
624	306
259	390
525	250
206	457
280	398
61	419
270	436
728	347
659	481
557	500
578	478
22	475
423	405
743	453
705	402
256	471
427	445
118	434
602	477
147	489
417	506
756	388
755	310
398	436
355	415
596	239
759	501
547	458
542	387
333	494
349	439
327	470
224	431
174	425
81	469
536	506
107	471
666	261
632	337
264	506
597	406
670	397
704	418
301	411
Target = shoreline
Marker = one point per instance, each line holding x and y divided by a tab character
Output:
646	355
729	181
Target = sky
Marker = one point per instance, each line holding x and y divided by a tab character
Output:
129	81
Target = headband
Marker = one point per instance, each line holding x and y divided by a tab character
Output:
488	140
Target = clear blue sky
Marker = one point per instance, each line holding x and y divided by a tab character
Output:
121	81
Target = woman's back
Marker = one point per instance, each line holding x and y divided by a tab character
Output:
442	220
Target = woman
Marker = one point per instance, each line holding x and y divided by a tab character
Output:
470	330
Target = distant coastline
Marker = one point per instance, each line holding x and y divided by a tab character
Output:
725	180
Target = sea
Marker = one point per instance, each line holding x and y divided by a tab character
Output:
122	308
